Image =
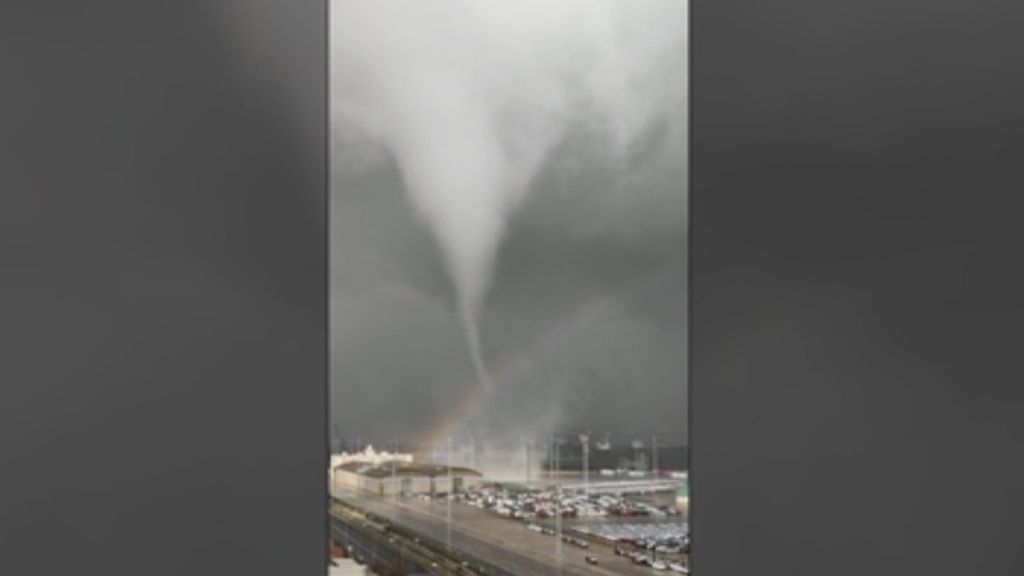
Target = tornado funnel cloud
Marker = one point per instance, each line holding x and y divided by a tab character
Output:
471	98
457	184
472	330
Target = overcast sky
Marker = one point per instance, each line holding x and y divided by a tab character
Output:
584	321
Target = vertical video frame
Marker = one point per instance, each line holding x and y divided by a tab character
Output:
508	287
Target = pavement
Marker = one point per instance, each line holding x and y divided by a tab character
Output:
506	544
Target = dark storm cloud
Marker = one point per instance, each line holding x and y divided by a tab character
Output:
614	299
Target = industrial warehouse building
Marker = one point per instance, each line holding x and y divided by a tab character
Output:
405	478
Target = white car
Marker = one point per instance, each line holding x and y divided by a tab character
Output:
677	567
659	565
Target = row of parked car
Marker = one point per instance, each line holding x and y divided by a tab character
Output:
548	503
639	557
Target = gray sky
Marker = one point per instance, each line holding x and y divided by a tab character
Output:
583	308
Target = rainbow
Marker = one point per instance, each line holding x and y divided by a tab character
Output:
478	393
456	416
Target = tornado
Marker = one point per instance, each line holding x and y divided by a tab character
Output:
471	98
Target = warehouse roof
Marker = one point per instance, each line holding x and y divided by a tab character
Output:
404	469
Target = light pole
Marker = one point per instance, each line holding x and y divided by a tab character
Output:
472	452
654	455
394	489
551	457
526	453
585	442
558	511
449	499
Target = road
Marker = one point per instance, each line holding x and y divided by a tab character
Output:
375	549
505	544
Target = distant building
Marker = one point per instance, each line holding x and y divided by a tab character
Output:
405	478
369	456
